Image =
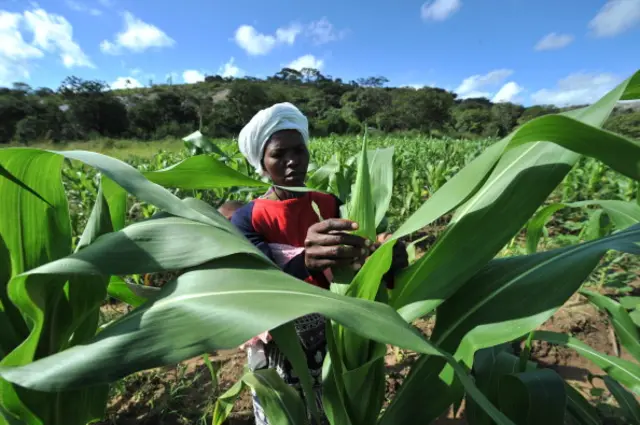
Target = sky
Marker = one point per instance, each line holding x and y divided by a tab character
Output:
560	52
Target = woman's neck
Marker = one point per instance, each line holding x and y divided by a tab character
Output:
280	194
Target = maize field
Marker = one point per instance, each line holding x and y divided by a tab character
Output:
521	303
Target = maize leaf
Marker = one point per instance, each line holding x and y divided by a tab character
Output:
627	402
626	330
625	372
622	213
507	299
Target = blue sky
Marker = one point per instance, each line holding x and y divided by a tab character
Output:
542	51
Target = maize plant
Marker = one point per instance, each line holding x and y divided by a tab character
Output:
56	365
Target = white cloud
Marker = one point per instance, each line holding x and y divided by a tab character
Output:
53	33
615	17
508	93
306	61
322	32
125	83
471	86
80	7
577	89
257	43
229	69
554	41
15	52
288	35
137	37
191	76
439	10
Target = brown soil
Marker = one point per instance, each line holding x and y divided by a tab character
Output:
184	394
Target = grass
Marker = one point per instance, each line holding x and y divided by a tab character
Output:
121	149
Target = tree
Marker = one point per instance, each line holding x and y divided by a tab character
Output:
535	112
506	115
94	109
288	74
627	123
378	81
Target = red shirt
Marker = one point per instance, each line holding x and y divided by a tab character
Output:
264	221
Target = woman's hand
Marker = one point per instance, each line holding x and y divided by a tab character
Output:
328	245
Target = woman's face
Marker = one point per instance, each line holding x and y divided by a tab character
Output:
286	158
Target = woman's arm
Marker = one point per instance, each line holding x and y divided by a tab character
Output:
242	220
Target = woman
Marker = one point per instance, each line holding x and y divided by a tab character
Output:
284	225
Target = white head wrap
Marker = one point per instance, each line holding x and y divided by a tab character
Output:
254	136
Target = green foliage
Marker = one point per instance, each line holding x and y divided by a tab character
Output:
481	302
219	107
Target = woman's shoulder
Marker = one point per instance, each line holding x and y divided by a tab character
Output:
243	215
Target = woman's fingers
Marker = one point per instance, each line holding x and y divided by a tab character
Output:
334	224
323	263
337	251
324	239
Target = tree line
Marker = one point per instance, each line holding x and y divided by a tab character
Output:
219	107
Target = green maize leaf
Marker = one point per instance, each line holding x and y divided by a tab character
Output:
534	397
594	227
626	330
320	178
81	310
453	193
333	396
630	302
539	167
7	175
137	248
441	391
34	232
198	144
490	366
381	179
635	316
622	213
618	152
281	403
201	172
13	327
122	291
61	313
131	180
361	207
224	402
116	200
365	388
579	409
628	403
508	298
190	318
633	93
625	372
360	210
287	341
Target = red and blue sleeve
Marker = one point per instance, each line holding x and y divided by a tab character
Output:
243	220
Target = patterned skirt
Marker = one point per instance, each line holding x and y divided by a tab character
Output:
311	334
